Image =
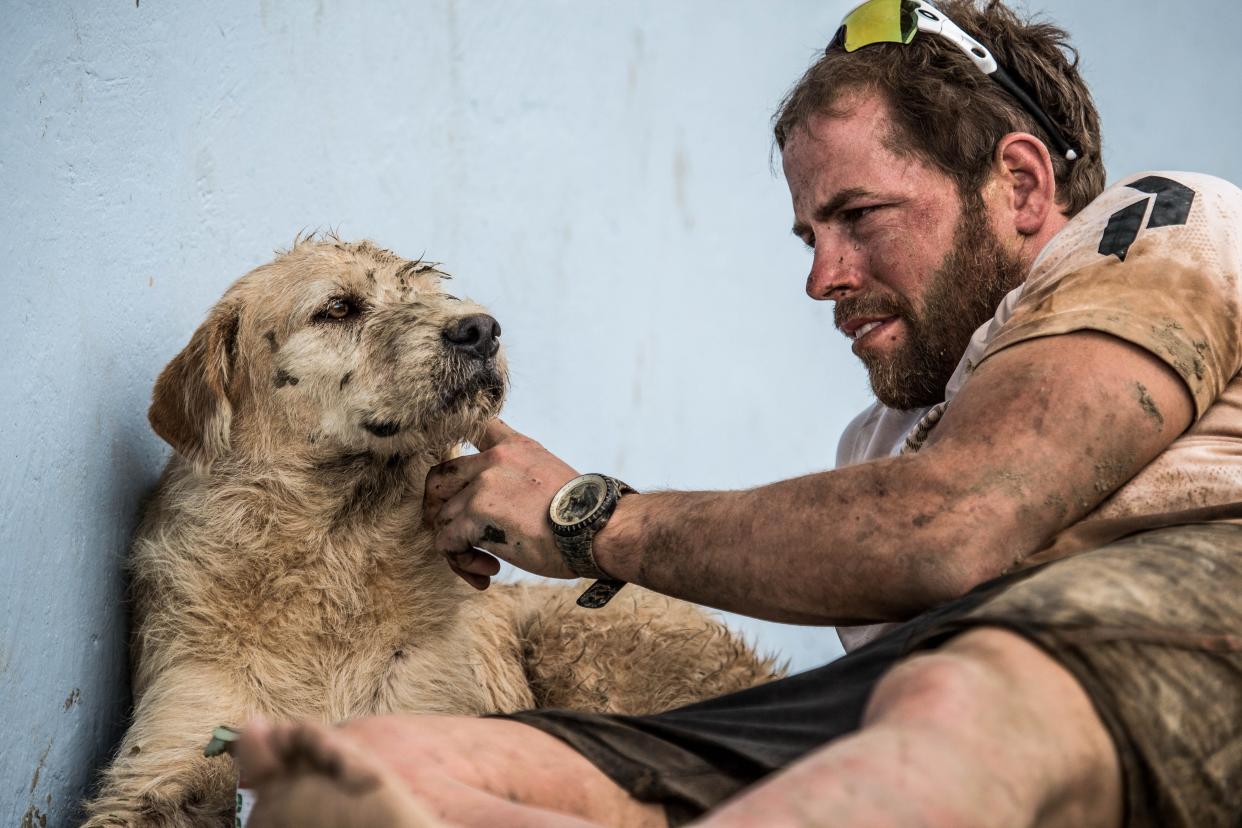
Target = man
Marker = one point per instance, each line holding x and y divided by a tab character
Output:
1096	412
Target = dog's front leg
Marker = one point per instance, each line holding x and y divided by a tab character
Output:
159	776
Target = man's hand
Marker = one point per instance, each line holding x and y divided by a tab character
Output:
497	500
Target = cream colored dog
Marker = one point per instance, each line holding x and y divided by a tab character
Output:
283	569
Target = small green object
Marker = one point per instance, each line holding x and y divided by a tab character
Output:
221	738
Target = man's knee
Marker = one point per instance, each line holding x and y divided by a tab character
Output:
949	684
993	698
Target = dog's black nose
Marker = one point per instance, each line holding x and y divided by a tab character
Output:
477	335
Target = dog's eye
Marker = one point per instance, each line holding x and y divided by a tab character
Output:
337	310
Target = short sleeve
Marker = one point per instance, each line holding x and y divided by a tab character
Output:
1153	261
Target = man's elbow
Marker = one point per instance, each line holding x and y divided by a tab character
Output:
947	576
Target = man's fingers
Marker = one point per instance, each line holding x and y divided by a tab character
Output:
255	753
455	530
446	480
476	561
497	431
479	582
475	567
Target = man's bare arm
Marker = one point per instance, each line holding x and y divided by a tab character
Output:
1042	433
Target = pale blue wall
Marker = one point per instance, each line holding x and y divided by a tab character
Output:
595	172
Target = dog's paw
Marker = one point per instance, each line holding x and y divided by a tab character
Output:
171	805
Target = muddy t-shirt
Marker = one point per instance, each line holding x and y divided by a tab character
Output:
1155	260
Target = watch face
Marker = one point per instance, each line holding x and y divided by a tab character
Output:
579	499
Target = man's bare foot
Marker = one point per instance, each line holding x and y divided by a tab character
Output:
307	776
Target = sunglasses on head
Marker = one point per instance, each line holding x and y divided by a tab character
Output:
897	21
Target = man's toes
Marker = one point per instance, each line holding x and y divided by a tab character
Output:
353	769
314	749
255	752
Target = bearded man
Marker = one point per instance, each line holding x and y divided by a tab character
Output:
1040	500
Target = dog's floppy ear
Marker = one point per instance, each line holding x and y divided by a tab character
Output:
190	407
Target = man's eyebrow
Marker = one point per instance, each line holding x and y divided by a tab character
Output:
832	206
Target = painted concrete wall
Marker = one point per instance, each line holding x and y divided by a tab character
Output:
595	172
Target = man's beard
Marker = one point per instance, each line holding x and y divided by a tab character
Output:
963	293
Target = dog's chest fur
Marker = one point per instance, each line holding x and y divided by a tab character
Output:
333	609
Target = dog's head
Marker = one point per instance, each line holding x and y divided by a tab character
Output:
332	348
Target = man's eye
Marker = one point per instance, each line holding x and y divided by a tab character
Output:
857	214
809	241
338	310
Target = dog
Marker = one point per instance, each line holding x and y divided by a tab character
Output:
282	568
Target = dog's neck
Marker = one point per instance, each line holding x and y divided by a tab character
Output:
296	496
366	486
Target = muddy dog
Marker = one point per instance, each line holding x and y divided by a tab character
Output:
282	568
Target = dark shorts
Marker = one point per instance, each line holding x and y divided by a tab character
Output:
1151	626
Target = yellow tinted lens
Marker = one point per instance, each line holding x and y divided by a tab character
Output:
879	21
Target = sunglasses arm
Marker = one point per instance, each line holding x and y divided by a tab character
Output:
932	21
1013	88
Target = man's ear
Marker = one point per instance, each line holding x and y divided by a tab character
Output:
1025	166
190	407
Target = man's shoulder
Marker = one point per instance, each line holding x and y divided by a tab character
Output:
1163	185
1190	209
1164	199
1152	261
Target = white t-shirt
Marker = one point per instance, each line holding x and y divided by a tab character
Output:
1155	260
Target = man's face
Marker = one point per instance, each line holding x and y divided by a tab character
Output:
913	267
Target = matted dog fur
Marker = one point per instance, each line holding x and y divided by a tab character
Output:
283	569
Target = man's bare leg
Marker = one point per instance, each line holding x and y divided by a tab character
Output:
988	730
423	771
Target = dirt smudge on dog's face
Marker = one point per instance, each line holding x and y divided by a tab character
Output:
373	354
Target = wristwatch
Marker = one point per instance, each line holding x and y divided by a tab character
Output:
577	512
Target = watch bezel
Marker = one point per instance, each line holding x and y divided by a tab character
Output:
601	507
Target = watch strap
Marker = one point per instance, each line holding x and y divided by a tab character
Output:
577	550
600	593
579	555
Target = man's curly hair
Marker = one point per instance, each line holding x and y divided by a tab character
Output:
946	112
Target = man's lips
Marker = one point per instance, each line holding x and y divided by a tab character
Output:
859	327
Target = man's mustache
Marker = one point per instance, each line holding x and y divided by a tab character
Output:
869	306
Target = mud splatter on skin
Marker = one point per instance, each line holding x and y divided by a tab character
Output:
1056	505
270	336
284	378
492	534
1149	405
345	379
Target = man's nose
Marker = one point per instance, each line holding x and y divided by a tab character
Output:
477	335
834	274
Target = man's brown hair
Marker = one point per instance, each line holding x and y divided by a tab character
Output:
950	114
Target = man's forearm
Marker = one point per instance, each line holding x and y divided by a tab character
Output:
836	547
